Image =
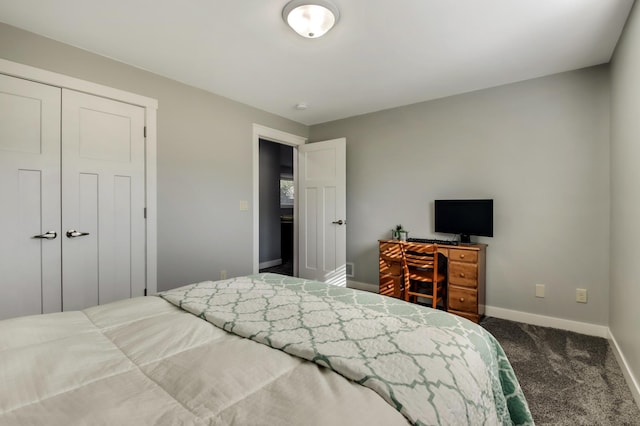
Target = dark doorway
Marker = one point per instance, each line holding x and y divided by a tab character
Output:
277	194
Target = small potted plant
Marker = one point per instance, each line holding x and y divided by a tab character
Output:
399	233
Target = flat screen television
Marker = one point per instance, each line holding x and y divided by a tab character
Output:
464	217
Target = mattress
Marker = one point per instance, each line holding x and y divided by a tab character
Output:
231	352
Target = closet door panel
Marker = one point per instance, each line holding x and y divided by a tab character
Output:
83	250
30	278
103	197
123	280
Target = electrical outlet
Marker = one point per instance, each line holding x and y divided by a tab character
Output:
223	274
244	205
539	290
581	295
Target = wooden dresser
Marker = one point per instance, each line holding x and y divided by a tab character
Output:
466	278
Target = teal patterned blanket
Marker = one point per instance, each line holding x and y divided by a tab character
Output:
433	367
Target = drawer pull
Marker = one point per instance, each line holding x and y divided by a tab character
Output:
462	299
389	285
462	256
462	274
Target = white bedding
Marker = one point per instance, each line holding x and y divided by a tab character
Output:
144	361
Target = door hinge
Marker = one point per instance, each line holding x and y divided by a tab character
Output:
145	131
145	212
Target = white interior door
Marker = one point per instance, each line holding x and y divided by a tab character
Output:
322	206
29	198
103	241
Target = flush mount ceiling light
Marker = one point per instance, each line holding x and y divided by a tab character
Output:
310	18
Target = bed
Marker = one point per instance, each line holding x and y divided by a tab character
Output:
262	349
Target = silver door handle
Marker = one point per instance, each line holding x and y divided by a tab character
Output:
50	235
339	222
72	233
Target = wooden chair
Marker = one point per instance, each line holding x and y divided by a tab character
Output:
422	277
391	269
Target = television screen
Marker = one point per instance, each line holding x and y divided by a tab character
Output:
464	217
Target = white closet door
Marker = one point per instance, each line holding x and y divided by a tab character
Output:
102	197
29	198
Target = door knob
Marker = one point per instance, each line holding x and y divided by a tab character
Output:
339	222
50	235
72	233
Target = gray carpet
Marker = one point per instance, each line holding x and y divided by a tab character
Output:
567	378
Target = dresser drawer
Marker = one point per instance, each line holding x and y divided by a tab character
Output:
464	300
470	256
464	274
387	285
386	291
391	268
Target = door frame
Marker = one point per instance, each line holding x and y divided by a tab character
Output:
150	106
284	138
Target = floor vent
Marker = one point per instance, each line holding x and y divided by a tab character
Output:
349	269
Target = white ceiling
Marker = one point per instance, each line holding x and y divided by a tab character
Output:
381	54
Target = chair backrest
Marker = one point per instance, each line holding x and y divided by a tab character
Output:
423	256
420	262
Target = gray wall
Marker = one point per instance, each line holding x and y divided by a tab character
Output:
624	319
269	201
539	148
204	158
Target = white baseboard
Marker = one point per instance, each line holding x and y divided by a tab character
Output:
373	288
634	386
534	319
270	263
